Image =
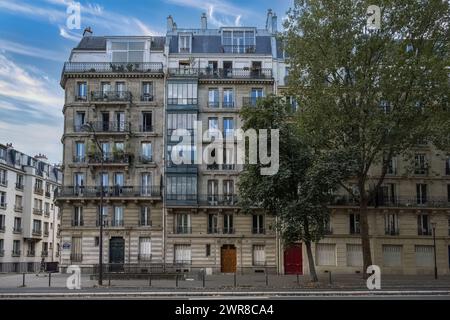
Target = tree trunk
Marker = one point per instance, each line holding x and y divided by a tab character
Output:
365	241
312	266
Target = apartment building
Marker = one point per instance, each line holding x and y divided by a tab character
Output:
211	75
113	145
29	219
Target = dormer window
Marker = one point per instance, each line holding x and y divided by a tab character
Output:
124	51
238	41
184	43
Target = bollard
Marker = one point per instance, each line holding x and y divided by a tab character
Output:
329	277
235	279
49	279
150	280
204	276
109	280
298	279
176	280
267	279
23	280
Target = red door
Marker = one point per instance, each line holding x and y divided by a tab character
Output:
293	261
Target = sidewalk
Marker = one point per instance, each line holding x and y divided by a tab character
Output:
13	283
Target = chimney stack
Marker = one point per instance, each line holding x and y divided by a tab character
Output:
204	21
87	31
170	23
274	23
269	23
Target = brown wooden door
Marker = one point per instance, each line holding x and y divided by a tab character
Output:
228	259
293	260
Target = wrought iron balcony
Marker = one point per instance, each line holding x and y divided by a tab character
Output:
233	73
38	191
424	231
429	202
77	223
16	253
183	230
145	223
239	48
228	104
38	211
19	186
218	200
258	230
113	67
116	223
18	208
76	257
44	253
147	97
145	158
111	126
228	230
183	72
114	191
47	194
110	158
31	253
111	96
182	101
37	232
392	231
251	101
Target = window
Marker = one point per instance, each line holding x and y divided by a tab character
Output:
16	248
325	254
423	225
2	247
259	255
228	227
213	126
2	153
213	192
76	249
238	41
208	250
354	223
118	179
19	182
96	241
392	256
77	216
146	152
145	219
213	98
118	217
47	208
184	44
2	200
17	224
18	203
447	166
420	164
183	223
120	89
392	166
46	228
212	223
39	185
228	98
228	191
147	91
146	184
258	224
37	226
80	120
391	224
424	256
387	194
421	192
228	127
448	193
79	152
2	222
182	254
180	121
81	91
182	188
120	123
354	255
3	177
128	51
182	93
145	249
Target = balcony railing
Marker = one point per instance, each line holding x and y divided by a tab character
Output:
107	67
218	200
258	230
38	191
114	191
228	230
424	232
111	96
16	253
147	97
392	231
37	211
79	159
44	253
31	253
183	72
239	48
251	101
183	230
116	223
145	159
18	208
111	126
17	230
76	257
19	186
182	101
47	194
37	232
213	230
145	257
4	183
233	73
145	223
77	223
146	128
429	202
110	158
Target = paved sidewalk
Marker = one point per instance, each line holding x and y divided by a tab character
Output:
13	283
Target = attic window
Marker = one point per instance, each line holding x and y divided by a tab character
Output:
123	51
184	43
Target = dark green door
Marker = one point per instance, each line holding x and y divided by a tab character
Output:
116	253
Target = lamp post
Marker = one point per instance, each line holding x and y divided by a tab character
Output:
433	225
89	127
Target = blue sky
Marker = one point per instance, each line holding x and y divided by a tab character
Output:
35	42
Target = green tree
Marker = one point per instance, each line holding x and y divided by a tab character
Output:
369	94
298	193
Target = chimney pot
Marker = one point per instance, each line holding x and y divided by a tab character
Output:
204	21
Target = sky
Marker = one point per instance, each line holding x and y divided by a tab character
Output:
35	41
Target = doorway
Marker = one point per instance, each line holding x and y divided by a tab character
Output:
228	258
116	253
293	260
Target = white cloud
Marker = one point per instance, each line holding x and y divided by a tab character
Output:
30	51
68	34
